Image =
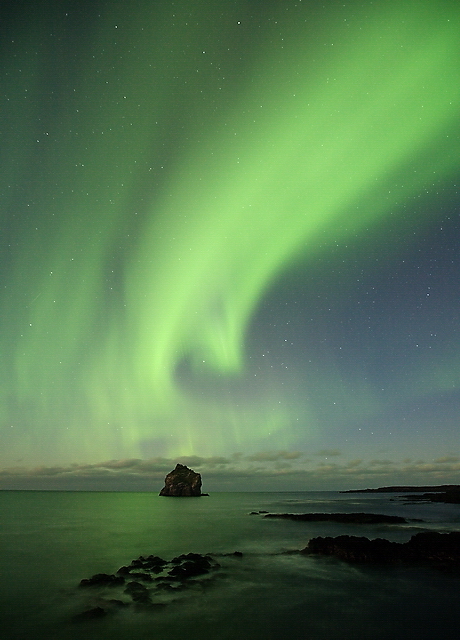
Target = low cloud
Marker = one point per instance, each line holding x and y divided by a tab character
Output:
262	471
196	461
381	463
274	456
448	459
354	463
328	453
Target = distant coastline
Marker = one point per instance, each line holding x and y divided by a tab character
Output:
407	488
438	493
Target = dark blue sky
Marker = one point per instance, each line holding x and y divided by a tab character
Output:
229	237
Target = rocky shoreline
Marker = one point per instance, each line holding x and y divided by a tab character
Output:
440	550
150	583
147	583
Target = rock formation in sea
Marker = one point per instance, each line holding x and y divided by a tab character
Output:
347	518
147	583
451	496
182	481
437	549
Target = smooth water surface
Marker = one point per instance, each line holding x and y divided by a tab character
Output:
51	540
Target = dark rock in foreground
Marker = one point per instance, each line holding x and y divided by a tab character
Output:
151	583
354	518
181	482
138	592
439	549
102	580
145	581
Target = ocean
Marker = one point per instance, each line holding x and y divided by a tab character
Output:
49	541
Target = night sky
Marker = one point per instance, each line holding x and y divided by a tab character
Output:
230	237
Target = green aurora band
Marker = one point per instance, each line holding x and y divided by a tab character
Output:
122	291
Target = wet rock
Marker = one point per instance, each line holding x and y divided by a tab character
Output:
124	570
139	575
137	564
188	570
438	549
354	548
102	580
138	592
435	547
182	482
190	565
154	563
192	557
142	583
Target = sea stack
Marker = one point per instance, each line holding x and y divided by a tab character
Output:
182	481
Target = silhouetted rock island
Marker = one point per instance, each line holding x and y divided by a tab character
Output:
182	482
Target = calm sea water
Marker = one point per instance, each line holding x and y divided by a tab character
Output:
49	541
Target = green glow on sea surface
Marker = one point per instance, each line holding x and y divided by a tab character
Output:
130	287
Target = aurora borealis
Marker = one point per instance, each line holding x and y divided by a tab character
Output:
230	238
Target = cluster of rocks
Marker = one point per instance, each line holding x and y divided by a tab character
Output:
144	580
428	547
432	547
